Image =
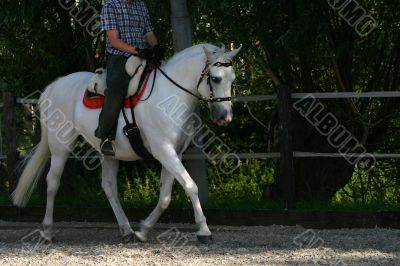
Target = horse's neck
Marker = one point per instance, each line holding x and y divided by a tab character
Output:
187	69
186	72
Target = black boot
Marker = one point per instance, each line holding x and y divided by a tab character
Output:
107	147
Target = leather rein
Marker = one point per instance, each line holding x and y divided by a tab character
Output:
204	73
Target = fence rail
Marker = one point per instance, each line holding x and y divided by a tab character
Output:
321	95
271	97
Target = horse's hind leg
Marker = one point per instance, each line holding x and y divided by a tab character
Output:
58	161
167	180
61	144
109	183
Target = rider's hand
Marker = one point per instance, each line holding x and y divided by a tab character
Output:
133	50
158	53
145	54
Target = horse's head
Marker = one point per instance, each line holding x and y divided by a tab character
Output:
220	75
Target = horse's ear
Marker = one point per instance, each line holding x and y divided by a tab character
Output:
233	53
210	55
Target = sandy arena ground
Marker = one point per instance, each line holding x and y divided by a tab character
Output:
176	244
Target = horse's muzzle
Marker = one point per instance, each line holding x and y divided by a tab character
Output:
221	114
223	122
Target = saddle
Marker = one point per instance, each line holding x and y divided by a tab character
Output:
134	67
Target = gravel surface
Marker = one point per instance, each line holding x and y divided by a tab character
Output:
176	244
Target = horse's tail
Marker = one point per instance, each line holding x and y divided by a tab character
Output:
35	161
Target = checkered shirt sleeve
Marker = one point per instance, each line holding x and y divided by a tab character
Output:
108	17
145	14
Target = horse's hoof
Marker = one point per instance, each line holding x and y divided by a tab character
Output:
140	236
205	239
129	238
46	240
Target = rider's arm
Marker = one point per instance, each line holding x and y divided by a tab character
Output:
117	43
151	38
148	28
110	26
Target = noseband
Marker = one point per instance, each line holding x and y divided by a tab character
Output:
204	73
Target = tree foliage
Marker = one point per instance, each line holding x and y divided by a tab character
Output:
305	44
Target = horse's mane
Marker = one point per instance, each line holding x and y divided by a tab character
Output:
194	51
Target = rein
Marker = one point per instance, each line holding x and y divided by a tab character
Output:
205	72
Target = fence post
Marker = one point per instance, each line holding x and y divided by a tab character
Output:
10	135
286	149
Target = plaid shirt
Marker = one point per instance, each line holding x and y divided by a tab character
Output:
132	21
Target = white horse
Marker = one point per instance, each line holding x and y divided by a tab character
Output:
204	70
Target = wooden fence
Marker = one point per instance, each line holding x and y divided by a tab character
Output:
286	153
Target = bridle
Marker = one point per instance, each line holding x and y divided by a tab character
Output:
204	73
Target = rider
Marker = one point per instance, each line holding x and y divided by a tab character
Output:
128	29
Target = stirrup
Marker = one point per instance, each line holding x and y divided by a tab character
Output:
107	147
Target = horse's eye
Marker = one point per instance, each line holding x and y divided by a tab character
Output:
216	79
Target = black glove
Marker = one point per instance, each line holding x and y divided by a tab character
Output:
158	53
145	54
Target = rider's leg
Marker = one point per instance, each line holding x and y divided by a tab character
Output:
117	85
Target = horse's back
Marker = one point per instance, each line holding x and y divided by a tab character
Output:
65	91
71	84
68	86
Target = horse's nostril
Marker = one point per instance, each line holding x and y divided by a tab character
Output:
222	115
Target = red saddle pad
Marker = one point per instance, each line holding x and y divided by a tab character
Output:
96	102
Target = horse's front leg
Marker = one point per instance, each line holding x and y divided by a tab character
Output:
167	180
109	184
171	162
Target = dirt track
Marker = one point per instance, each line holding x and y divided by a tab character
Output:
99	244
